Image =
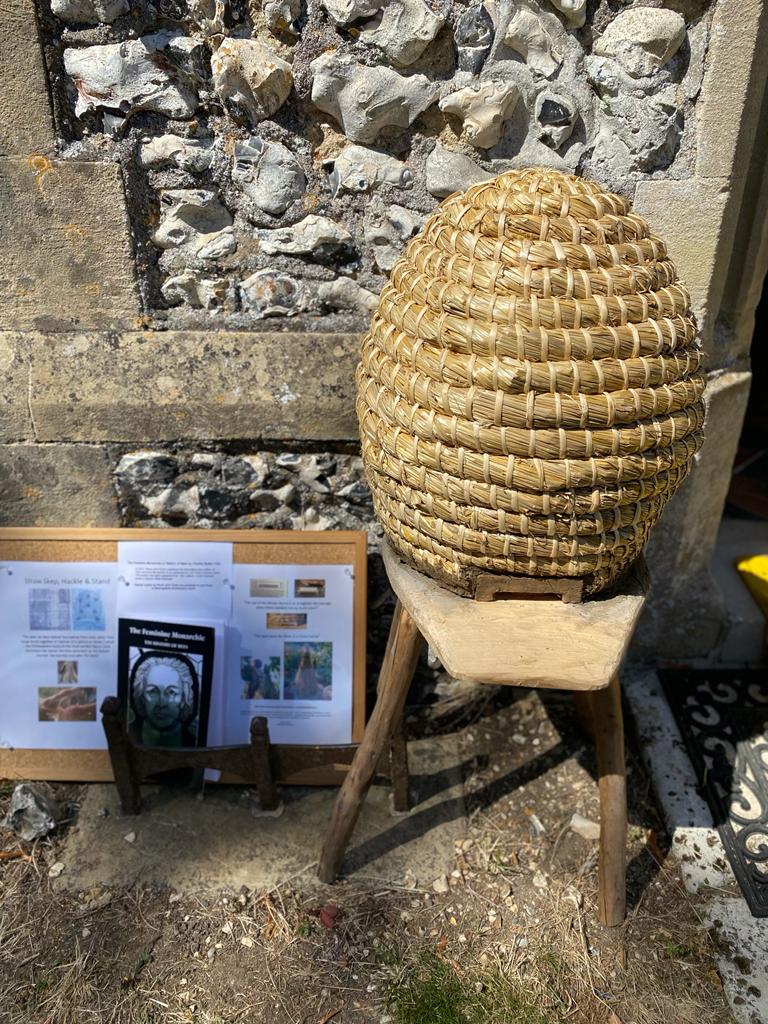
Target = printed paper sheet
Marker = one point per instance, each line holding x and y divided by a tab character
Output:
58	637
294	660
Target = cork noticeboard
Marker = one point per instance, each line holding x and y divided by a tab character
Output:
43	544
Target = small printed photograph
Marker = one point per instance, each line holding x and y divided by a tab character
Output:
261	678
66	672
309	588
70	704
308	670
286	620
268	588
49	608
87	610
164	698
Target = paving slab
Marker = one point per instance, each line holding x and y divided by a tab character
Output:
742	940
742	957
222	841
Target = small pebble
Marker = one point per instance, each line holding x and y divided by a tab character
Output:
589	830
536	825
130	837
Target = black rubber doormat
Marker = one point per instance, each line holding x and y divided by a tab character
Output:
723	718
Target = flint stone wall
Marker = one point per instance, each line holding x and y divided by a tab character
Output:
277	157
203	200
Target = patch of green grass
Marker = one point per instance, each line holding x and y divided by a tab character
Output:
142	962
426	988
504	1000
429	992
676	950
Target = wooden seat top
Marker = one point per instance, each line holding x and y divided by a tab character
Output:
523	642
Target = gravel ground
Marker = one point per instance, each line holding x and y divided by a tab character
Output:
510	936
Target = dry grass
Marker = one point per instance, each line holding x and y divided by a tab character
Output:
69	992
514	940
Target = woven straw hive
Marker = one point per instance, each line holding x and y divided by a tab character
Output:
529	392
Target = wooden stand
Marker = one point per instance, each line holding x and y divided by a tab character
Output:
132	763
258	762
513	642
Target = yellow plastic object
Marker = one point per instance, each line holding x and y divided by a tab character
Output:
754	572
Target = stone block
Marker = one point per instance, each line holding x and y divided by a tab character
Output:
685	538
56	485
26	126
66	262
15	419
140	387
685	614
732	89
691	216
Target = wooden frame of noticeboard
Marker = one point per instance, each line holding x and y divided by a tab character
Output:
300	765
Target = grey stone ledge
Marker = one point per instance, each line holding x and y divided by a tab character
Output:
192	385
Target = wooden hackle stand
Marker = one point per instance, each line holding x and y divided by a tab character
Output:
132	763
258	762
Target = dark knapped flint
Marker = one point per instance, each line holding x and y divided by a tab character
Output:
474	35
553	113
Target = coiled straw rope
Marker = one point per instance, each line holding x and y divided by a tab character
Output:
529	392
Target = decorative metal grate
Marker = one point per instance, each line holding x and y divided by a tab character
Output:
723	718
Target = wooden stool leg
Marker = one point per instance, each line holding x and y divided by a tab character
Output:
609	735
582	702
398	768
397	671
